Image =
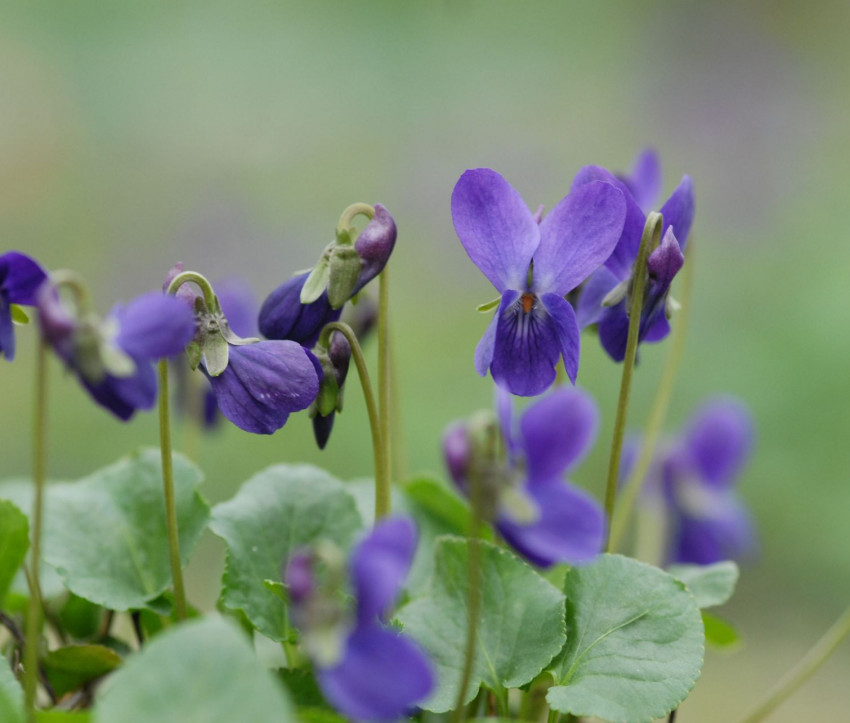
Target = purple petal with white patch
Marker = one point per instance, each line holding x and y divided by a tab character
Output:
378	567
264	382
381	676
557	432
723	532
124	395
570	526
719	441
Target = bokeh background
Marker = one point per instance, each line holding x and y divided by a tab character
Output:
230	136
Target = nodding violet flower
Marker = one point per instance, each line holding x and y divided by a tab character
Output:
365	669
605	298
695	476
303	305
20	278
257	384
521	473
113	357
533	266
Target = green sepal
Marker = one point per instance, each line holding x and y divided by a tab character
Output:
345	265
193	355
488	306
317	281
216	353
19	316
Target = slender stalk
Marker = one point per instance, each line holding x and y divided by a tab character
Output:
39	466
384	373
474	602
801	672
382	481
650	238
631	488
168	487
399	454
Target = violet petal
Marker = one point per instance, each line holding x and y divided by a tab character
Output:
382	674
577	236
283	316
589	309
7	329
495	227
557	431
644	181
379	565
153	326
678	210
719	441
564	318
570	527
726	533
20	277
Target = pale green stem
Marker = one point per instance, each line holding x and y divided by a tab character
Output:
168	487
650	238
39	466
474	601
343	226
382	480
631	489
384	379
801	672
397	446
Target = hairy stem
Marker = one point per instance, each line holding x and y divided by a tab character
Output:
168	487
39	466
631	488
650	238
382	481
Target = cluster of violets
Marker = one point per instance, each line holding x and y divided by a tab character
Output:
555	274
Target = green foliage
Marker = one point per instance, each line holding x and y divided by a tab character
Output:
203	670
14	541
70	667
11	696
718	632
521	625
79	617
274	513
106	536
634	642
709	584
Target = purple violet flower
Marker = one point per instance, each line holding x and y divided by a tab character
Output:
695	476
283	316
644	180
544	518
533	266
20	278
605	297
365	669
113	358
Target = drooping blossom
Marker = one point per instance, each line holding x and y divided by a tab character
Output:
257	383
113	357
283	316
20	278
536	511
366	670
533	266
695	476
605	298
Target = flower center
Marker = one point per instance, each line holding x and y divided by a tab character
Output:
527	301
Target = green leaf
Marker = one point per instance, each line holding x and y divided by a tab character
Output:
14	542
634	642
274	513
62	716
80	618
68	668
302	687
19	316
718	632
106	534
709	584
521	625
201	670
11	695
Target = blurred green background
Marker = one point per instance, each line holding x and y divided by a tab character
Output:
230	136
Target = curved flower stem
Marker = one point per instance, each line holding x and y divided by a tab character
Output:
631	488
384	380
382	481
650	239
343	226
474	602
168	487
39	465
801	672
193	277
